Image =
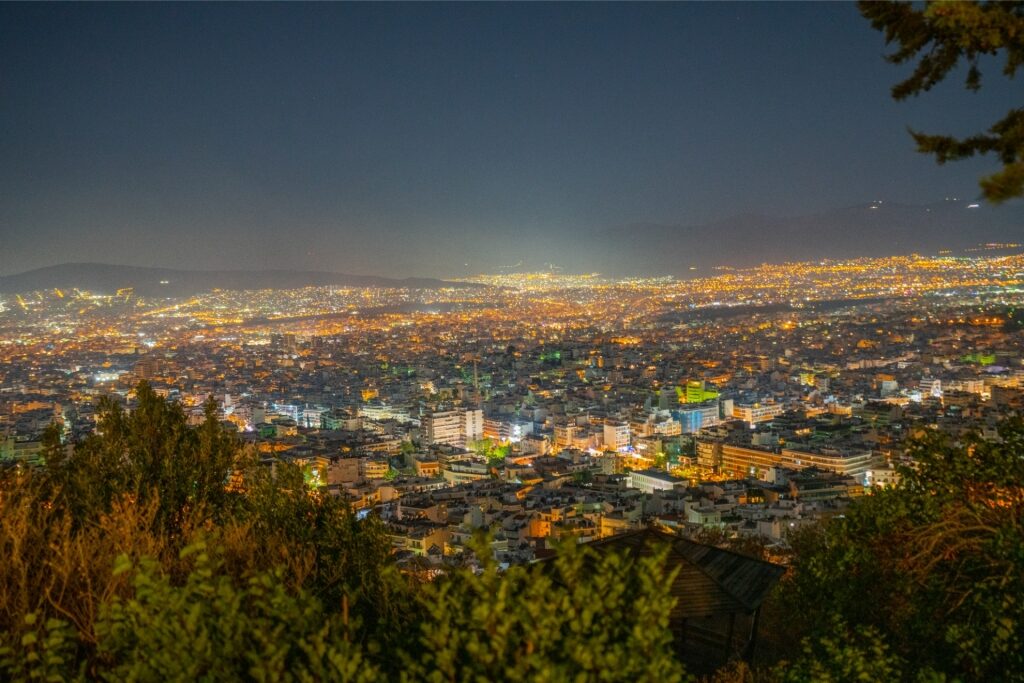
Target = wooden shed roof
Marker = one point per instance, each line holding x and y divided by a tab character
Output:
710	580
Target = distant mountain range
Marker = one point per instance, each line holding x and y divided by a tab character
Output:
874	229
638	249
107	279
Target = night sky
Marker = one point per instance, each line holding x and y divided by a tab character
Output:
445	139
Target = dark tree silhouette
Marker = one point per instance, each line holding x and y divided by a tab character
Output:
941	36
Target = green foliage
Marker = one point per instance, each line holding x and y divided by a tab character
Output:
935	565
151	453
128	558
490	449
211	629
942	35
843	656
584	617
53	451
343	559
584	478
40	651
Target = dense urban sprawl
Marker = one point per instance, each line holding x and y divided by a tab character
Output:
541	405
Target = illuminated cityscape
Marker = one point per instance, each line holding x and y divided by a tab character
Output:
527	384
512	342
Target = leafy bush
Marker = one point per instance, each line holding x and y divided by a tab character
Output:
584	617
209	628
935	565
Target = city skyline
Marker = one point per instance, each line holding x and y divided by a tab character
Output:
319	137
587	342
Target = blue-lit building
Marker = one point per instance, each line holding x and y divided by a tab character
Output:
694	417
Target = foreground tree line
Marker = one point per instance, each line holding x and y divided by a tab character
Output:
128	558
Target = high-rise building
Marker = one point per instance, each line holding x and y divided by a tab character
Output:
752	413
616	436
930	387
453	427
444	427
565	435
473	425
696	391
147	367
696	417
755	461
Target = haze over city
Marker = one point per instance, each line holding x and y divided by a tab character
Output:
476	137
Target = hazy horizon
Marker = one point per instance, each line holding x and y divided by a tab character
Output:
626	254
444	140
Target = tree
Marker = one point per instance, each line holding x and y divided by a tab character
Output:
941	36
934	565
151	453
846	655
488	448
213	628
125	558
583	617
141	489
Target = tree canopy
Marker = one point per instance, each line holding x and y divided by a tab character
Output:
941	37
930	571
129	557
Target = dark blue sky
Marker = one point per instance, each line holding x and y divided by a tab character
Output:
413	139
